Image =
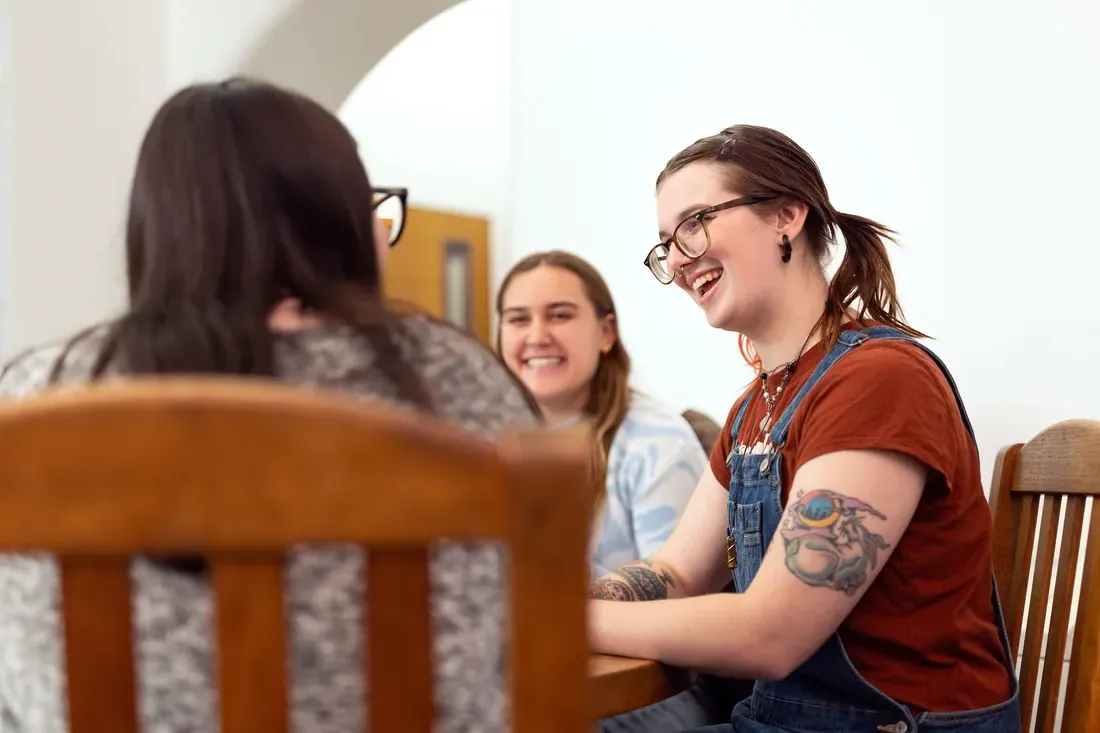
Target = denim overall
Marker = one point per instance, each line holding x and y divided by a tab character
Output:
827	693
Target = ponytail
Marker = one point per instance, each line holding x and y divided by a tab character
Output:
864	276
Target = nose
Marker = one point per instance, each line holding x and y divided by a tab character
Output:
538	333
675	260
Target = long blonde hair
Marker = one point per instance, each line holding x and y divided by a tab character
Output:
609	396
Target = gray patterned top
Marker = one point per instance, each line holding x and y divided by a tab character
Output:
324	585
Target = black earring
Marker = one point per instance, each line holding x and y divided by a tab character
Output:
786	249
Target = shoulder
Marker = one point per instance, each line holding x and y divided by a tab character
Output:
32	370
652	437
884	395
466	376
649	419
886	369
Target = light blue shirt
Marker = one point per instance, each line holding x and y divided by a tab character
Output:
653	467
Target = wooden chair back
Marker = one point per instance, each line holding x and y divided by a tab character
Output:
1052	477
705	429
238	471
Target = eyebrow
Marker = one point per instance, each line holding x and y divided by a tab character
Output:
555	304
684	214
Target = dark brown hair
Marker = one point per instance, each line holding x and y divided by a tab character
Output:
763	162
609	395
245	194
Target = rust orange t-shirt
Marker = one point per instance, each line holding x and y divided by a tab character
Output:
924	632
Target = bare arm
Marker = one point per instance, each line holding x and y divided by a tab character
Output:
800	596
691	562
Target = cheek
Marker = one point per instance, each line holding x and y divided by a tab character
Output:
509	348
584	351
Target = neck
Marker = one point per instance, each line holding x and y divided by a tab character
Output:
559	418
563	411
780	340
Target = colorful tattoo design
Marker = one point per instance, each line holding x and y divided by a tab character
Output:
827	542
635	582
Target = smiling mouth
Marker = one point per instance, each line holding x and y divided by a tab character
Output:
543	362
705	282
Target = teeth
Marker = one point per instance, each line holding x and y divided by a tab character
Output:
544	361
705	278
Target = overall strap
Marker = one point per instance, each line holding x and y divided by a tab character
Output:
844	344
850	339
735	429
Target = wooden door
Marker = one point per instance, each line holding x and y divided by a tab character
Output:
441	264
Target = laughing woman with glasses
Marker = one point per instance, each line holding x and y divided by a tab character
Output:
252	249
844	499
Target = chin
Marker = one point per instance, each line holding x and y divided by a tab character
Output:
722	318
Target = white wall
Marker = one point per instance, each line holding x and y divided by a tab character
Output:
972	131
433	115
209	39
969	127
78	91
81	81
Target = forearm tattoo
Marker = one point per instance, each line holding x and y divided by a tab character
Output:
827	543
638	581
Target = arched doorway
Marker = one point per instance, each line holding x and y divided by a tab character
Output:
324	47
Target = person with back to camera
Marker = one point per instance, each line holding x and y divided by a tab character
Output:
558	332
845	495
253	248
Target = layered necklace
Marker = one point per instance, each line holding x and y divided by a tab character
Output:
772	399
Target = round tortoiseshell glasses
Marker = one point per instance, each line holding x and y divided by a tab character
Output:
691	237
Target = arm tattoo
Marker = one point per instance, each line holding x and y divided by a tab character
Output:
634	582
827	542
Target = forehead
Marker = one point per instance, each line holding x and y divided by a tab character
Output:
693	187
543	285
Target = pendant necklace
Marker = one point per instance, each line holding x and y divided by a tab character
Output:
770	399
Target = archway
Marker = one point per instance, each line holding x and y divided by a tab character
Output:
324	47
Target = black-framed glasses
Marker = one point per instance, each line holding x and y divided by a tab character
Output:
390	206
691	237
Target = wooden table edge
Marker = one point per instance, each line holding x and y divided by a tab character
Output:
622	684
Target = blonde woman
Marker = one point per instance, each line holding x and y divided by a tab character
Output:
558	333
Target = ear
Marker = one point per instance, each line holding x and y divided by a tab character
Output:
790	218
609	331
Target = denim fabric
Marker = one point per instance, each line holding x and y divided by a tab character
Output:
827	694
706	702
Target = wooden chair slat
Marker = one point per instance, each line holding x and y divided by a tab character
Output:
1050	684
1011	560
99	644
1082	714
1021	568
399	642
1037	607
252	654
551	551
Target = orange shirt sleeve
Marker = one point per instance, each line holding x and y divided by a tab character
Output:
722	448
885	395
